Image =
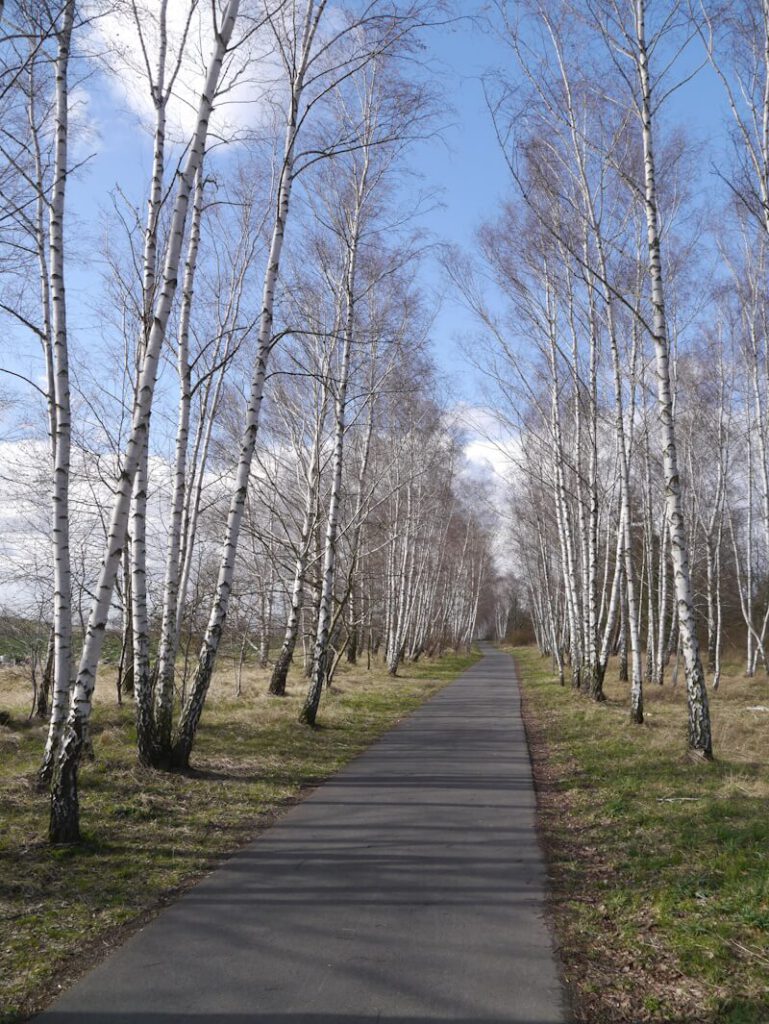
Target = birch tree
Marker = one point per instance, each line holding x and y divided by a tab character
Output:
700	740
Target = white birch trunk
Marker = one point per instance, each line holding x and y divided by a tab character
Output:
62	673
700	739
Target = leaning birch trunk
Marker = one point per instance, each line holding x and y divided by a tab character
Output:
268	599
659	674
561	502
700	739
61	558
193	497
576	460
614	600
140	628
648	523
65	823
623	672
145	723
311	627
395	649
719	609
164	693
282	664
629	619
309	710
718	518
748	612
193	708
126	676
352	588
596	681
42	241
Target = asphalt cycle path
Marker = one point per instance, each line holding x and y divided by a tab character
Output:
408	888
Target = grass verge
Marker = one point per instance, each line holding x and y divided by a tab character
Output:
659	866
148	835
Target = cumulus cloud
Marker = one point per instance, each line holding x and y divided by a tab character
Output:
127	44
490	444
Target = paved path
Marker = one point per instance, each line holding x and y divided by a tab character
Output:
408	889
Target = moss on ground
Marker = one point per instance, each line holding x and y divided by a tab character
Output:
660	865
149	835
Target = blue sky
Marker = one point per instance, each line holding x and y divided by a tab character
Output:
467	169
471	174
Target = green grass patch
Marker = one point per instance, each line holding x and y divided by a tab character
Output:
660	865
149	835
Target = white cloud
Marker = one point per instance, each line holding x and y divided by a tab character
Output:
85	136
126	49
490	442
498	457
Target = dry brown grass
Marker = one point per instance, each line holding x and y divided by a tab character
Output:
149	835
660	865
